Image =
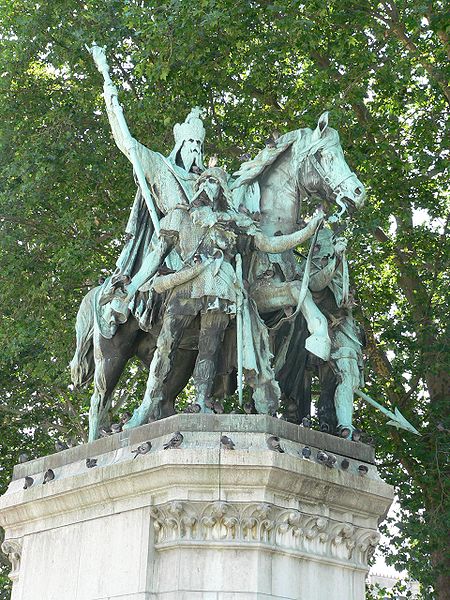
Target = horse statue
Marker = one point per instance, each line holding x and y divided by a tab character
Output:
278	188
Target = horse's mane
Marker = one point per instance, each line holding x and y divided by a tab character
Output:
300	139
251	169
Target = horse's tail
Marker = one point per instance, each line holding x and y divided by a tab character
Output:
82	364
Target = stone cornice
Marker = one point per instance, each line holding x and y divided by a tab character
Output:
157	477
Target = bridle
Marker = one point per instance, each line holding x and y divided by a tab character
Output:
335	187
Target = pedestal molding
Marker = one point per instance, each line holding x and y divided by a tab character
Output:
260	523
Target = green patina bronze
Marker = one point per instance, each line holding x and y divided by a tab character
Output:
208	284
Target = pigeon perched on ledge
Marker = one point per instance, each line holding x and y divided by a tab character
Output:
356	435
91	462
273	442
322	457
306	422
192	409
227	442
142	449
175	441
249	408
23	458
28	482
218	408
306	452
49	476
60	446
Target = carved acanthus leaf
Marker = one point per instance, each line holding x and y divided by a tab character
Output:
262	523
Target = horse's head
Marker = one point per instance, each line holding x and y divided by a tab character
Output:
323	170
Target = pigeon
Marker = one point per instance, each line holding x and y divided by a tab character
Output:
49	475
306	452
331	461
175	441
249	408
218	408
322	457
324	427
227	442
306	422
345	464
273	443
28	482
105	431
91	462
363	469
192	408
125	418
209	403
23	458
270	142
142	449
356	435
116	427
60	446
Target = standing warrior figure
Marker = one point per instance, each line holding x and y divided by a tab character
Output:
206	235
330	287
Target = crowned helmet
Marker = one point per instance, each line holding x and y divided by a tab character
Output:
192	128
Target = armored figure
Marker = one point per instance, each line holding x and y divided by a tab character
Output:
206	235
330	287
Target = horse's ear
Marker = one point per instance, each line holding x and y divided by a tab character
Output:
322	124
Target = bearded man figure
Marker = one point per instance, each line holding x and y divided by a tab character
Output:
169	181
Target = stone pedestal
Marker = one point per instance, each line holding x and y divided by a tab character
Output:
198	522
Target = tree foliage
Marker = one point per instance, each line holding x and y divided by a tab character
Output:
381	68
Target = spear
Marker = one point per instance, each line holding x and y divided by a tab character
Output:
239	327
397	419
